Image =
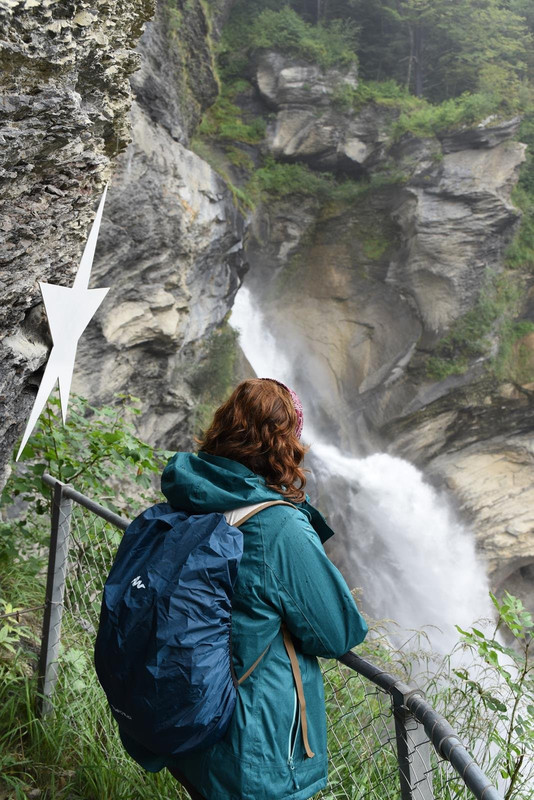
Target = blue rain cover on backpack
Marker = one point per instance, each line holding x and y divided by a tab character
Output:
163	652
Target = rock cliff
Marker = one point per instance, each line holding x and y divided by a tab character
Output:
363	292
171	241
63	118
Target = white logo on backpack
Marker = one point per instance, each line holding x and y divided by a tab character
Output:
138	583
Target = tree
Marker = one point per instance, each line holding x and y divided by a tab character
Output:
441	48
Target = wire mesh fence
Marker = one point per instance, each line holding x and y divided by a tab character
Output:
378	748
361	737
363	744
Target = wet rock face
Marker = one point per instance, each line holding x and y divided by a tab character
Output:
170	246
348	330
63	116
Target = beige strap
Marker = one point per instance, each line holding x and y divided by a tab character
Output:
260	508
290	647
288	642
250	514
251	669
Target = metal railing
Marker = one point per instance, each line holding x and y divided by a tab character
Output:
385	741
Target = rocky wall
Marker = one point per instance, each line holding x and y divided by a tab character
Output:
65	97
361	291
171	241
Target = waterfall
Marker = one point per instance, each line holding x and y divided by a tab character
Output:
398	538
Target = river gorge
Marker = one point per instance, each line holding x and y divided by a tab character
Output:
354	283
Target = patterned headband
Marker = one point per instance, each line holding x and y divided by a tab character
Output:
296	404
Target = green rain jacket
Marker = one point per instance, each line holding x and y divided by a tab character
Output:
284	575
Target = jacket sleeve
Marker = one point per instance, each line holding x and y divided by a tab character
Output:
310	592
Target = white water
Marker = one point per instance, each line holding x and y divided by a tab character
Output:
400	541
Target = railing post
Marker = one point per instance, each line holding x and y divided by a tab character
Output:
413	752
55	588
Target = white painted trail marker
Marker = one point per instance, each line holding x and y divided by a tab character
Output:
69	312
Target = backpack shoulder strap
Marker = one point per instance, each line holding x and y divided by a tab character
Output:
260	507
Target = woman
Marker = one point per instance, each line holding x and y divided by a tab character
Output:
251	454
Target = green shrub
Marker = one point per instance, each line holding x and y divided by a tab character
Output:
96	446
224	121
279	180
514	361
416	114
327	45
276	180
425	119
504	692
469	336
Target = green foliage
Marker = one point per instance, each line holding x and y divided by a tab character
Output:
327	45
418	115
95	448
515	361
506	690
469	336
279	180
274	24
224	121
425	119
520	253
215	376
387	93
438	49
276	180
75	751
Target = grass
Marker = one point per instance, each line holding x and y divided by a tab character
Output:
471	335
277	180
224	120
74	752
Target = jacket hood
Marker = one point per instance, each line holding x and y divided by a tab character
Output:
202	483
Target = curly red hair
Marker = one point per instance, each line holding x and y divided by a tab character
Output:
257	426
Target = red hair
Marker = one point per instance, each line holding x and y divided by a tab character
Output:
257	426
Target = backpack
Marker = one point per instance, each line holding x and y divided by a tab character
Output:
163	652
